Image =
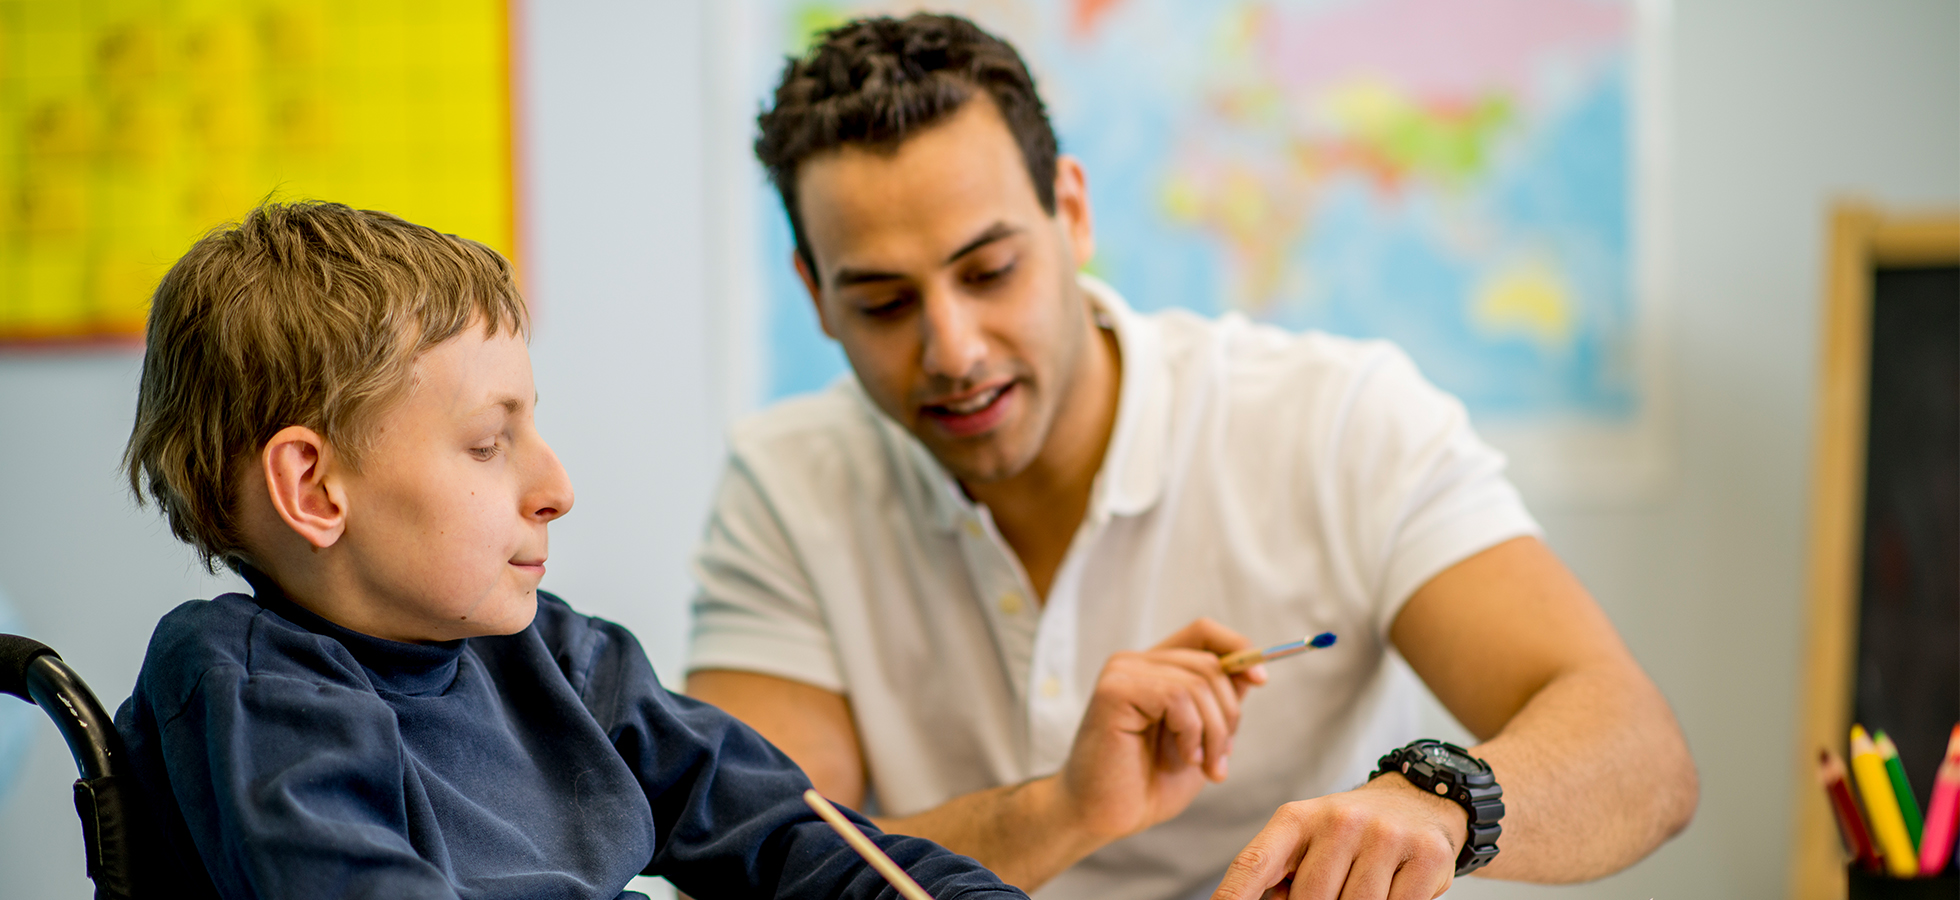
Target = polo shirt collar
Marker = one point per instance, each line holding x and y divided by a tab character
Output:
1134	468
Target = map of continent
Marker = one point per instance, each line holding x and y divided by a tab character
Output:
1456	176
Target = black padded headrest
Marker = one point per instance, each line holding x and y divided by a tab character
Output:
16	653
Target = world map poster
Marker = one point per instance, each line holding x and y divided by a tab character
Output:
1462	177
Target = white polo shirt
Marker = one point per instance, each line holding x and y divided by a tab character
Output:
1282	484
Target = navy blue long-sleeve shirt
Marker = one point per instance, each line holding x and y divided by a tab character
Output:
295	759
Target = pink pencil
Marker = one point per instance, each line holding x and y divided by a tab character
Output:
1936	845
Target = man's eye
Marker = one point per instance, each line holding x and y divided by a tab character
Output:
886	309
990	276
485	453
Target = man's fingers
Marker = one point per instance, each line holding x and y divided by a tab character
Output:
1265	862
1327	855
1206	666
1186	722
1423	878
1200	709
1218	730
1206	635
1373	871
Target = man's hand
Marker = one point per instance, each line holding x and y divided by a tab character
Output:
1594	770
1387	838
1159	725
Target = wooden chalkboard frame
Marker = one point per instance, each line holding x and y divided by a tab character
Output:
1862	239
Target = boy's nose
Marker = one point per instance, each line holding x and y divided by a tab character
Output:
550	495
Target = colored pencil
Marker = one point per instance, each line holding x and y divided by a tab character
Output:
1936	847
1882	805
1851	823
1896	771
894	875
1235	663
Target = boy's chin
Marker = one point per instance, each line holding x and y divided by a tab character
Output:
515	618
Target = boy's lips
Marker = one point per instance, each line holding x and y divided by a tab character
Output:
974	412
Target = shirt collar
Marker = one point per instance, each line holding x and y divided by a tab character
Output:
1131	478
393	665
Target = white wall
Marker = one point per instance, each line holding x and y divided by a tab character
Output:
615	106
1777	106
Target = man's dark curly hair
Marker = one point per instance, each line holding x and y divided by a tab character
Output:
877	81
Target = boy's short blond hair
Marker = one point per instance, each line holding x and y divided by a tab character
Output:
303	313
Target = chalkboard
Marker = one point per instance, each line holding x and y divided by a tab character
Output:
1883	647
1907	677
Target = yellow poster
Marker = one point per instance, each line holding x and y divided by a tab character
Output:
130	127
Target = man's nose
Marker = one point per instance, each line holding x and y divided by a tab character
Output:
953	345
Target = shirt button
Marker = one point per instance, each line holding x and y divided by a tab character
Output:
1050	687
973	528
1010	603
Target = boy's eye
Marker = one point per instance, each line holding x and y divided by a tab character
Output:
485	453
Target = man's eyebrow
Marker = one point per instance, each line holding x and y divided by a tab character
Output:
994	232
848	277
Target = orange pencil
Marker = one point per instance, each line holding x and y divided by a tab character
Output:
1936	845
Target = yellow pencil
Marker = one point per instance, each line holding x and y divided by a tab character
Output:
1882	806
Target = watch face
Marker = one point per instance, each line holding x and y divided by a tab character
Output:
1446	758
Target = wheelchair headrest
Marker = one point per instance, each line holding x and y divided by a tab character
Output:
16	654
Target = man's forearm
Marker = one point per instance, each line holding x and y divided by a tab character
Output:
1023	832
1595	773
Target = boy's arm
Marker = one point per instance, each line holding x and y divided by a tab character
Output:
728	806
293	790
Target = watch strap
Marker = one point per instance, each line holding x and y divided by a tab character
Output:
1478	793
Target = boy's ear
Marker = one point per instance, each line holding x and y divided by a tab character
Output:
297	463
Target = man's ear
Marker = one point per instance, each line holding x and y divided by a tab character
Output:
809	279
1072	208
300	476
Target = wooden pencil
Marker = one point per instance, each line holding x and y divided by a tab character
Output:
907	888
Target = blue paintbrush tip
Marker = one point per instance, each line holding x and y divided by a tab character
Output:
1323	639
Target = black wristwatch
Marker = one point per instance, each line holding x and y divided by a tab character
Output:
1452	772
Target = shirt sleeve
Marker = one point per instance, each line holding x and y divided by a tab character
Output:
1421	492
293	789
755	609
728	806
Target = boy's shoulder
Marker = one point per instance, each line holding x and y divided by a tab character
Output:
233	633
584	647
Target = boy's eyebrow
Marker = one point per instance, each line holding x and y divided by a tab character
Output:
509	405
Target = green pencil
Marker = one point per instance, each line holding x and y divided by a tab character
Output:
1908	804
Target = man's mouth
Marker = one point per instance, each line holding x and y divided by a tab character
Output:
974	413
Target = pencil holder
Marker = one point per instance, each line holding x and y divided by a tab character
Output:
1862	885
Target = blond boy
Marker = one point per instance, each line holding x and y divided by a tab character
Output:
337	404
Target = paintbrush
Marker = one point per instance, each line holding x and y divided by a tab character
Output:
1235	663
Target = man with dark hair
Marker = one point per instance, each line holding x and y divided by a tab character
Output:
986	584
